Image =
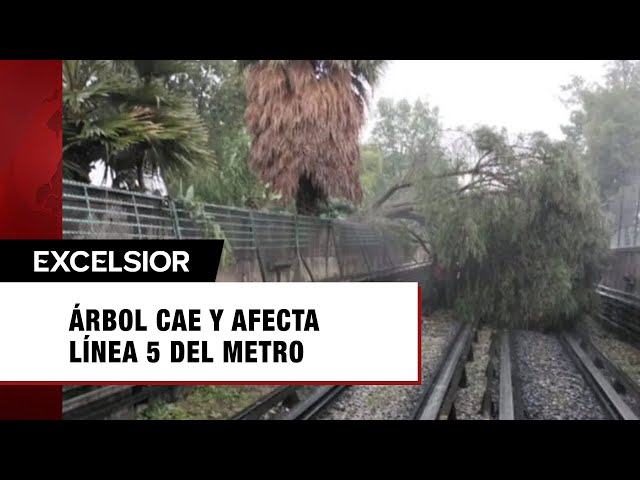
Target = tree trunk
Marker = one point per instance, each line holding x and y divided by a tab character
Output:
310	199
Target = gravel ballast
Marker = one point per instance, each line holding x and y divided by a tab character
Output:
552	387
469	400
361	402
302	392
622	354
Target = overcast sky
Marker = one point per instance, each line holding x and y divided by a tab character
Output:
521	95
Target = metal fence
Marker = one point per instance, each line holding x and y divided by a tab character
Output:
264	245
624	210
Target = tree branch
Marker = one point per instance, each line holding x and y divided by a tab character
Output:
389	193
482	157
419	239
404	183
406	213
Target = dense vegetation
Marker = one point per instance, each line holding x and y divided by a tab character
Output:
605	124
525	235
184	122
515	220
125	114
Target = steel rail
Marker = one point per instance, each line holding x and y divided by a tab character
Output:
438	401
506	407
309	407
604	391
267	402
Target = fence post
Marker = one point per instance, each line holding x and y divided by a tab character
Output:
620	216
89	214
635	228
326	254
174	217
255	245
364	255
366	260
86	200
335	246
298	249
135	209
385	253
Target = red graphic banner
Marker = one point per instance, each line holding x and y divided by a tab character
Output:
30	189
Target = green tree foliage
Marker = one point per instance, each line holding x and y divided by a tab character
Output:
405	145
123	113
605	124
516	222
371	170
179	120
217	87
408	137
520	231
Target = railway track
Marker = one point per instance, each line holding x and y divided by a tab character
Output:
286	394
618	395
614	390
612	387
308	408
502	378
104	402
509	403
94	402
439	399
620	312
297	409
439	396
70	391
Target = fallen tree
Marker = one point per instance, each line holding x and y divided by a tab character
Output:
517	227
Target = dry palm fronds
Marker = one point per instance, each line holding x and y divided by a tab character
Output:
305	127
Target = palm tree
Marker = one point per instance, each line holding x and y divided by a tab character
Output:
121	112
305	117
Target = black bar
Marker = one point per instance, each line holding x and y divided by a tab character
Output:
201	265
